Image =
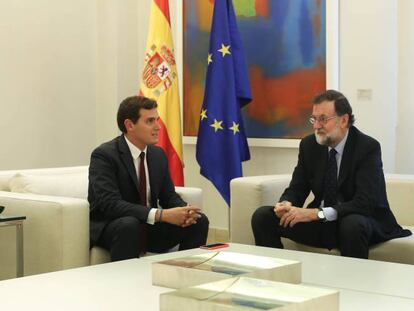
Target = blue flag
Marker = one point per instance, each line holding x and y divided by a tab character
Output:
221	142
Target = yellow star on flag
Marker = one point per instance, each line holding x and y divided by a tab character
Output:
235	128
217	125
203	114
224	50
209	58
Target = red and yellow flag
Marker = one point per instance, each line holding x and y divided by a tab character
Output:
160	82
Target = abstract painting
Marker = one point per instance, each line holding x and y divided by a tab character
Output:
285	47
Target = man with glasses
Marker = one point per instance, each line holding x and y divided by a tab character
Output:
343	169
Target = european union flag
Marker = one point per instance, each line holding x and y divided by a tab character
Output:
222	143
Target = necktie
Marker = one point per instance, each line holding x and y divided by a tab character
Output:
330	190
142	185
142	189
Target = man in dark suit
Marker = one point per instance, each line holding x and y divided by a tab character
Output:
133	203
343	169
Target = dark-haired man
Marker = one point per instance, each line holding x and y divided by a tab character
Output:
343	169
128	180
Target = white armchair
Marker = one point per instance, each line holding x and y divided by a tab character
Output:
56	229
249	193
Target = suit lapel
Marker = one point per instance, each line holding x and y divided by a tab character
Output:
126	157
347	157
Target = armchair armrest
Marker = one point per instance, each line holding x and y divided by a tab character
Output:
191	195
247	194
56	233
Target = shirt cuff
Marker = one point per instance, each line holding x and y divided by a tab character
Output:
151	216
330	213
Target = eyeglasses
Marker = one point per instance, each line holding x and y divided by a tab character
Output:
322	119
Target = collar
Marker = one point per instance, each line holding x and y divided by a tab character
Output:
135	151
340	147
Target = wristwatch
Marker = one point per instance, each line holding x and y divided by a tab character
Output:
321	215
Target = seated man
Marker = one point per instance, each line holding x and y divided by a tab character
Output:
128	179
343	169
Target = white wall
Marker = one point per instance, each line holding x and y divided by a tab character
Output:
405	128
368	61
66	65
47	82
122	34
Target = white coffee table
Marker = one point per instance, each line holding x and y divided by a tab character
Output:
363	284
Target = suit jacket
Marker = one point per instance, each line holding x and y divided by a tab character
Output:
113	185
361	183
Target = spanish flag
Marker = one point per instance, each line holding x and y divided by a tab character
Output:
160	82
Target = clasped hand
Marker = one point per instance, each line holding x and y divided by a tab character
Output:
290	215
182	216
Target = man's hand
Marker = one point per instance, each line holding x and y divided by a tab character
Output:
181	216
297	214
282	207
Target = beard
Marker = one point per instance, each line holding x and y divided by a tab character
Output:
322	138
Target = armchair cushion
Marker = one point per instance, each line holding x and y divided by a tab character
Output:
66	185
6	176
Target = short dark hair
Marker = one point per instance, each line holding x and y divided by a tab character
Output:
130	108
342	105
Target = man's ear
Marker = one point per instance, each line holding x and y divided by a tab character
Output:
344	120
128	124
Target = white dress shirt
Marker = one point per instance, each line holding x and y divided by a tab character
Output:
135	152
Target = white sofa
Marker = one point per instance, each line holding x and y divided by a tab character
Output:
249	193
56	230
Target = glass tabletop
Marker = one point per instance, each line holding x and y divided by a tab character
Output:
5	218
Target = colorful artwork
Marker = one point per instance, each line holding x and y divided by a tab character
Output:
284	43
